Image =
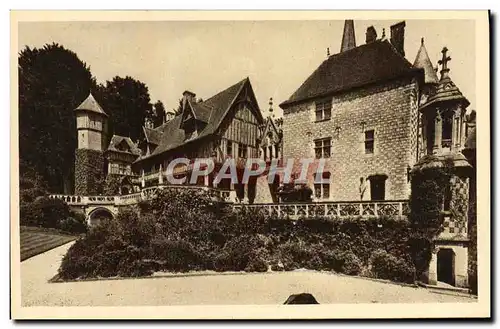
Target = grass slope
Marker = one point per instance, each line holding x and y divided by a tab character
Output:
36	240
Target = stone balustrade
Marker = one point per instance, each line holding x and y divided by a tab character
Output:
366	209
75	200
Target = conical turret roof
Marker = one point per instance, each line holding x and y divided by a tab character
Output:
422	61
91	105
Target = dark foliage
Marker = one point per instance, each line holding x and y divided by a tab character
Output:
387	266
52	213
295	193
185	230
426	203
127	102
52	82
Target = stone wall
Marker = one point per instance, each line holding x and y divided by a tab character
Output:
89	172
390	109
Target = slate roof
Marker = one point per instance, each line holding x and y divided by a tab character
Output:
211	111
423	61
366	64
445	91
117	140
90	104
153	136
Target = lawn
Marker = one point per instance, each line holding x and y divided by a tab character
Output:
36	240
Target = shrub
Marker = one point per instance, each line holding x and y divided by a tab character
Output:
237	253
387	266
76	223
175	255
350	263
51	211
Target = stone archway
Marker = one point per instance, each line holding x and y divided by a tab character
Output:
446	266
98	215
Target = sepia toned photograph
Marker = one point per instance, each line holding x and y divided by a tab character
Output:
229	164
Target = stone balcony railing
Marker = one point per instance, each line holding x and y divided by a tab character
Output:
340	209
366	209
75	200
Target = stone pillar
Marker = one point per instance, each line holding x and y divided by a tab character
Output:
160	173
432	276
462	130
143	180
461	266
206	180
245	193
438	132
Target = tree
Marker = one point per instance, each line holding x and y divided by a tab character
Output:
52	82
158	115
127	102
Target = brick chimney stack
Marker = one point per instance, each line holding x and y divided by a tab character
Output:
398	37
371	34
348	38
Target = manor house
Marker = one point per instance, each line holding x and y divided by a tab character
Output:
367	113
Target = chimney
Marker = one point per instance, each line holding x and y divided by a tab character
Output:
398	37
188	95
348	38
169	116
371	34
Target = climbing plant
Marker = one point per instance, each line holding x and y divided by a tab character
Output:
428	188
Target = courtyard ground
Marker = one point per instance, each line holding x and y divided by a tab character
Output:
218	289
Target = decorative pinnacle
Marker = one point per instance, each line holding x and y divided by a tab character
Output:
444	63
271	106
383	34
422	41
328	52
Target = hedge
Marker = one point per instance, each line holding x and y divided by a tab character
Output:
186	230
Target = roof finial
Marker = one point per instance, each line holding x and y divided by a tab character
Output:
444	63
271	107
383	34
328	51
422	41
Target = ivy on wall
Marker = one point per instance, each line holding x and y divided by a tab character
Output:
89	172
112	185
428	187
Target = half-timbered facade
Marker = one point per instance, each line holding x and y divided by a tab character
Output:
228	125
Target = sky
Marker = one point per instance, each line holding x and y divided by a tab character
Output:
206	57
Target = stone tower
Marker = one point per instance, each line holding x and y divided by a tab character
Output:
442	110
91	126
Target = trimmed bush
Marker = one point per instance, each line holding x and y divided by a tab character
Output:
186	230
387	266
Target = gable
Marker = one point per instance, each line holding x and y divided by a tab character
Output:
211	113
123	146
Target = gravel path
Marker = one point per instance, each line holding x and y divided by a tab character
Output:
231	289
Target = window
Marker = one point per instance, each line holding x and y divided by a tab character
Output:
322	147
447	130
322	190
229	148
369	141
323	110
242	151
270	152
